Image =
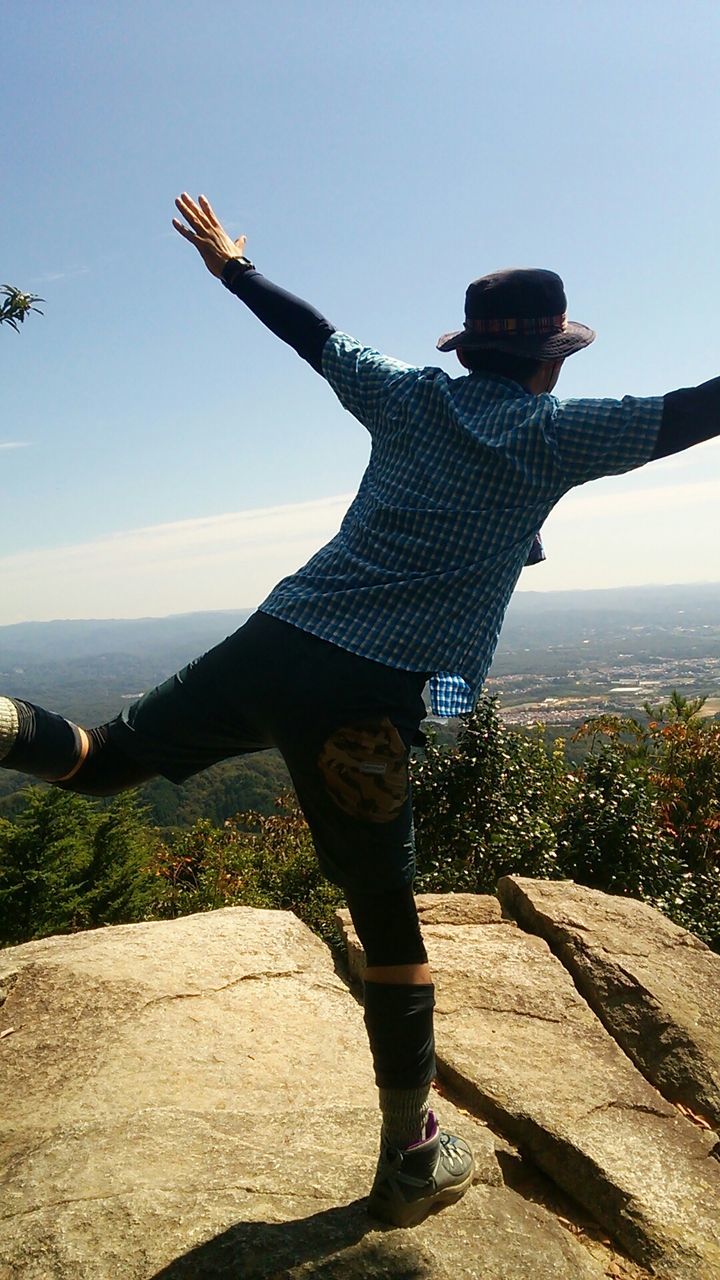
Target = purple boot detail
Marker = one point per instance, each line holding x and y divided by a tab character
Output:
430	1128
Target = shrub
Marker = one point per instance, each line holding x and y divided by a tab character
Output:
488	806
252	860
640	816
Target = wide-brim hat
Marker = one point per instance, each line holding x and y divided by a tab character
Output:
522	311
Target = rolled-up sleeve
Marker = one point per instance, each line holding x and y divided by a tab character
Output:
593	438
365	382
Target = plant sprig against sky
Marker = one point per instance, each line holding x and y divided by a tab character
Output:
16	305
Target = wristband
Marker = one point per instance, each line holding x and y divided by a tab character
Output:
235	267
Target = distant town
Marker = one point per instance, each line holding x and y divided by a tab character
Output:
563	656
614	652
618	687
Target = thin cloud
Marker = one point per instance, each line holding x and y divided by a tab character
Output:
14	444
52	276
215	562
660	499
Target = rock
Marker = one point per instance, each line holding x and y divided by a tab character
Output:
655	986
195	1098
495	1235
460	908
433	908
520	1045
353	949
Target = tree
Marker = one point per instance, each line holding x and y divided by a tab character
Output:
488	806
67	864
16	305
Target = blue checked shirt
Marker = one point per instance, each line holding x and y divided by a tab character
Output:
462	473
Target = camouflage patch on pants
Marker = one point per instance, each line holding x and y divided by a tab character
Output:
365	767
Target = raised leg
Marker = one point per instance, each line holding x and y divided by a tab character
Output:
48	746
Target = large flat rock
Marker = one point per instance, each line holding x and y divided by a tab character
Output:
517	1041
655	986
195	1098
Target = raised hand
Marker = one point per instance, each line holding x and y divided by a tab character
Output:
208	235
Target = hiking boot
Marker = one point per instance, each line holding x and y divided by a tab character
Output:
412	1182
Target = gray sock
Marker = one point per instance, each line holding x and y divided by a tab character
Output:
9	724
404	1112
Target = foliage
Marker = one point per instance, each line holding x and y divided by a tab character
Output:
486	807
647	813
639	816
254	860
66	865
15	305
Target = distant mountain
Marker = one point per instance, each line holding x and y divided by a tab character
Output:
651	601
538	617
184	634
666	621
190	634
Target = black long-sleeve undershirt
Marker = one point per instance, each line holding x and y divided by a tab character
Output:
690	415
288	317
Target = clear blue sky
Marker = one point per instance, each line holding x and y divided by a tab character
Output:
378	155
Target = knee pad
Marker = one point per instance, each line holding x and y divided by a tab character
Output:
399	1023
36	741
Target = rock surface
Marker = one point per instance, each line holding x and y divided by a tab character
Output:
518	1042
433	908
459	908
194	1098
655	986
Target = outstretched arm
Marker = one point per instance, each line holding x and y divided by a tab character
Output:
288	317
689	417
590	438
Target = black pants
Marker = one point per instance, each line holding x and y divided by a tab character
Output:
343	724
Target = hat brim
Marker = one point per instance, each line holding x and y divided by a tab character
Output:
547	346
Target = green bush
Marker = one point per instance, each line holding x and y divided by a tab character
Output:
486	807
640	816
252	860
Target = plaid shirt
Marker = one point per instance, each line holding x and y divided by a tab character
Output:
462	473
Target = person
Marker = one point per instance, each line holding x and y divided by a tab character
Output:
331	667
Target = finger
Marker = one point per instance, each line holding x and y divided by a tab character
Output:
240	243
208	210
191	211
184	231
